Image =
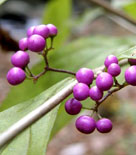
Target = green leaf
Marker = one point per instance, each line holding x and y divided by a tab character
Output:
33	140
58	13
130	53
131	9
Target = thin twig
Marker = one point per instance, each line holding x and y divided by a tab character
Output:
105	5
60	71
110	92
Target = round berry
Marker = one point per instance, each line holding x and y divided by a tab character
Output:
104	125
109	60
23	44
114	69
36	43
41	30
30	31
85	124
20	59
95	93
73	106
104	81
85	75
16	76
130	75
52	30
81	91
132	61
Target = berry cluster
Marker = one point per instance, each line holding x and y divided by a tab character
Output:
35	42
83	89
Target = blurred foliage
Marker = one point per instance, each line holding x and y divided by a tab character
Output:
131	9
2	1
34	139
58	12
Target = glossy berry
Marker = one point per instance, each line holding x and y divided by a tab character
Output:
130	75
36	43
132	61
85	124
109	60
81	91
23	44
95	93
104	81
41	30
30	31
73	106
114	69
104	125
52	30
16	76
20	59
85	75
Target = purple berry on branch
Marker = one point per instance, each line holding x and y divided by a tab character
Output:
109	60
41	30
20	59
132	61
36	43
52	30
85	124
81	91
73	106
16	76
30	31
104	125
114	69
104	81
23	45
95	93
130	75
85	75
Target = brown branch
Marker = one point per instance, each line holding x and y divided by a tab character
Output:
110	92
105	5
60	71
7	42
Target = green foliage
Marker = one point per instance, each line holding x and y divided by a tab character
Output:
33	140
131	9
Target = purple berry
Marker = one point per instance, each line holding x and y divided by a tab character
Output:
81	91
130	75
114	69
20	59
95	93
23	44
85	75
104	81
30	31
73	106
132	61
104	125
36	43
41	30
16	76
109	60
85	124
52	30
